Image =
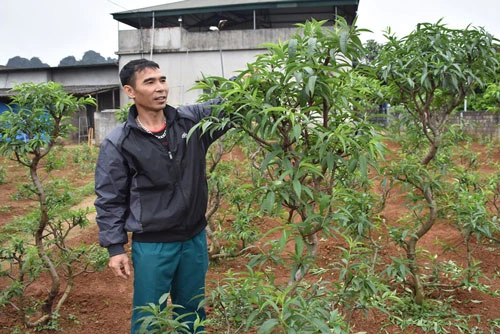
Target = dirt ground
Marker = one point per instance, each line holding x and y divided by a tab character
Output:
101	303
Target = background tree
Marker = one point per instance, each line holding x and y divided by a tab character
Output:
486	100
430	72
372	50
487	97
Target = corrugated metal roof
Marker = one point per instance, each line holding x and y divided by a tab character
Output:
89	89
80	90
216	5
199	14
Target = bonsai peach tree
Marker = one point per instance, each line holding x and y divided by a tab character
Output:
430	72
37	119
302	104
299	102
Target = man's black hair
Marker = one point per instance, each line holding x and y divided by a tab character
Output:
127	73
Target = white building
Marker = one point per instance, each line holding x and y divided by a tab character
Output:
192	38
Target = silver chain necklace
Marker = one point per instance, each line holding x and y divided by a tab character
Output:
163	135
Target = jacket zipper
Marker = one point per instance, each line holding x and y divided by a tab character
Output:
176	169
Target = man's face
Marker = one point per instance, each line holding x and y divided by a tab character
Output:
150	90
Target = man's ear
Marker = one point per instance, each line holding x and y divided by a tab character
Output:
129	90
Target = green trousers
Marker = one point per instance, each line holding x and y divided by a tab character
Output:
178	268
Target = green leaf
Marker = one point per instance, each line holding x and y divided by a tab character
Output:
269	157
292	48
284	239
299	245
297	187
296	132
344	37
311	85
268	326
269	201
311	46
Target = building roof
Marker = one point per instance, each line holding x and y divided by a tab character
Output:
199	15
80	90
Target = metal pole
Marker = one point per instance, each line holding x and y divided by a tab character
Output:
219	26
152	36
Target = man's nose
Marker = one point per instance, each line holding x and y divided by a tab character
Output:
160	86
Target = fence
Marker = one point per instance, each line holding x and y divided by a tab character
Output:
476	123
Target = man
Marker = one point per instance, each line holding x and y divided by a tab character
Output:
151	180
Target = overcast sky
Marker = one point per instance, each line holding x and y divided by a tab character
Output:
54	29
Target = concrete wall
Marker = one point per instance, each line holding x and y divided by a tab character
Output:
479	123
476	123
183	70
180	40
105	121
184	57
84	76
8	79
67	76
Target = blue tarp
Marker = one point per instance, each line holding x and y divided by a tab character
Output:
22	136
3	107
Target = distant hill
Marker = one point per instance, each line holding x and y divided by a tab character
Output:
89	58
19	62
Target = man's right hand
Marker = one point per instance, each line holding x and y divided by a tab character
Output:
120	265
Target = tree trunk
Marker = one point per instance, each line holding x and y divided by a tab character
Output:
39	242
412	245
418	287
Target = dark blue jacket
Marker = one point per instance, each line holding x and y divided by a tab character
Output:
157	192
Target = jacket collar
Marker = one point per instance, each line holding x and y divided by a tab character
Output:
170	113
